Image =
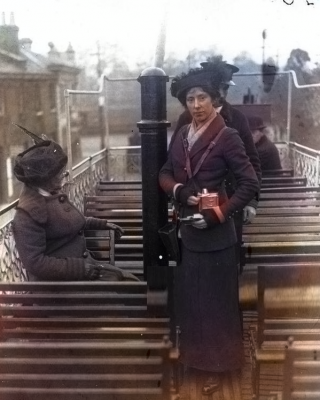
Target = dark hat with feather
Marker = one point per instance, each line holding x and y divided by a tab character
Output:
211	75
41	162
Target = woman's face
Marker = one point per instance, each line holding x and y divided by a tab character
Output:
199	104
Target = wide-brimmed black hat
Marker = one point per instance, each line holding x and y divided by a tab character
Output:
255	123
41	162
196	77
227	70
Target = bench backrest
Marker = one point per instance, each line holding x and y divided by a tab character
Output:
301	373
74	340
288	302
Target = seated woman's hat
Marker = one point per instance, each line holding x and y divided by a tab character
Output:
41	162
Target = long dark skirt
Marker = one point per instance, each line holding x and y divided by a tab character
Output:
207	310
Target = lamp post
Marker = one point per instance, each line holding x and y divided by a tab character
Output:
264	36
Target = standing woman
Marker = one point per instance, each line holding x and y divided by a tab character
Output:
206	279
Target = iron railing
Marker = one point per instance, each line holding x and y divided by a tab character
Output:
305	162
118	164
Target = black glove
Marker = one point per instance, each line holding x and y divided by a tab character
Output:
182	194
210	217
118	230
92	272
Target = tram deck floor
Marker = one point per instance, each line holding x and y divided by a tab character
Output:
237	386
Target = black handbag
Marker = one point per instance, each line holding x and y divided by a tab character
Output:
169	237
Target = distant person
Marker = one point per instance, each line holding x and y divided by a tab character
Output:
48	229
267	150
233	119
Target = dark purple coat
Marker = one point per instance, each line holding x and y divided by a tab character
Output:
227	155
49	235
235	119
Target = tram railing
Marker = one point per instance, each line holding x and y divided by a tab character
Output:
122	164
305	162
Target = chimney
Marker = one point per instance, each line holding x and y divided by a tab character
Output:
25	44
70	53
9	40
12	19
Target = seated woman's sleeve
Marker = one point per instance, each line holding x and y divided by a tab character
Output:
95	223
30	239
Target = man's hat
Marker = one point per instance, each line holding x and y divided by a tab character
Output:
255	123
41	162
228	70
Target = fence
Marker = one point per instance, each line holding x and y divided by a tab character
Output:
117	164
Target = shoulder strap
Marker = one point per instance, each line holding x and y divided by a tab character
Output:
204	155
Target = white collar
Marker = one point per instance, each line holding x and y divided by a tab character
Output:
43	192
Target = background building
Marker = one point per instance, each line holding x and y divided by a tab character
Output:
31	94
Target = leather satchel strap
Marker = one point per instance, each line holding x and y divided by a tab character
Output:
204	155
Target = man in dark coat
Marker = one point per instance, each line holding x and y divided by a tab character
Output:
233	119
267	150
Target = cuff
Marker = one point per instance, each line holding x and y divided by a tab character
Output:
253	203
175	188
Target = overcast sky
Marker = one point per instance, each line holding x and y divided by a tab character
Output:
230	25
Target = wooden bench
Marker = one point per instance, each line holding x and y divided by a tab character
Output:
301	373
288	306
278	172
283	227
286	229
125	211
101	244
75	340
283	181
122	188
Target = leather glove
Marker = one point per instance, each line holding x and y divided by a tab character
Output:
210	217
182	194
249	213
118	230
92	272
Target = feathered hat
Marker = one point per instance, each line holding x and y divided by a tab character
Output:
41	162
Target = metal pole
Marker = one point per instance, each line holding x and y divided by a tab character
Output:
153	129
69	145
289	107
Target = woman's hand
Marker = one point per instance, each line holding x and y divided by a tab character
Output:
118	230
185	195
200	223
193	201
249	213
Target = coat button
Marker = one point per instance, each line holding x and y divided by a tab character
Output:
85	254
67	208
80	232
61	199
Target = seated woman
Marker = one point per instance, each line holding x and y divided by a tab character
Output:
48	229
267	150
206	281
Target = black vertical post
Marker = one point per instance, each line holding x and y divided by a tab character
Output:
153	129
